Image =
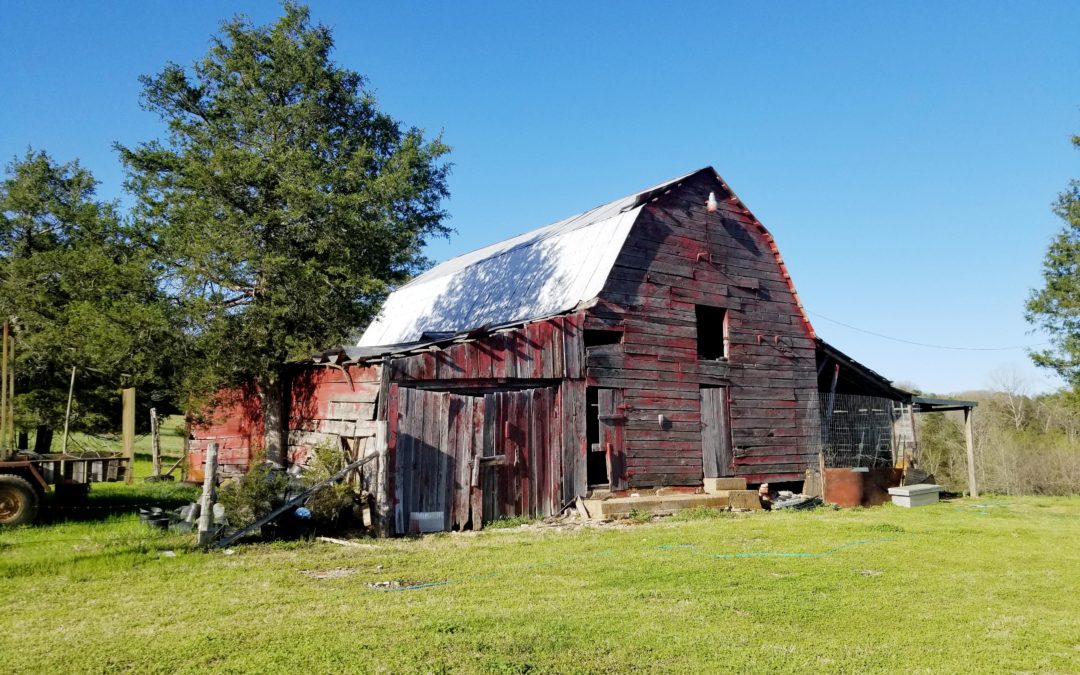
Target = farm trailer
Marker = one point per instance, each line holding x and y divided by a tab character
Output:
25	479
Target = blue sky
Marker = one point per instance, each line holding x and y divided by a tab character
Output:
904	154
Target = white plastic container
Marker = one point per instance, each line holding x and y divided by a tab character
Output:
426	521
915	495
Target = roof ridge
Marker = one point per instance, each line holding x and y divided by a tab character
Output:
550	229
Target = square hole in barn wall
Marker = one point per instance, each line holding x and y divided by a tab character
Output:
712	332
598	337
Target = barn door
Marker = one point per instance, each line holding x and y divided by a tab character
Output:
521	463
471	459
433	443
716	454
611	421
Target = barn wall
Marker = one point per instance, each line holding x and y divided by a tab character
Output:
325	403
678	256
328	403
518	394
549	349
233	420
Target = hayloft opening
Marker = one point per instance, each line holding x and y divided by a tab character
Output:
712	332
595	337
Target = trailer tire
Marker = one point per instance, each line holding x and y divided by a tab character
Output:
18	500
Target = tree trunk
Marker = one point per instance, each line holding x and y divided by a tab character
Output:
274	417
43	440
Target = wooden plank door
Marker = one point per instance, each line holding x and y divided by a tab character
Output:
520	473
716	452
612	421
433	442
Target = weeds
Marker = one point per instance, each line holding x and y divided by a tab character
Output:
701	513
505	523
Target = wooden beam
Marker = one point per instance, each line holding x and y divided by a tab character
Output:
155	439
973	489
3	394
127	429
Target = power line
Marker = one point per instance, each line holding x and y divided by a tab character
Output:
924	344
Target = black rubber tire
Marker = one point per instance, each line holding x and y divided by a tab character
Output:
18	500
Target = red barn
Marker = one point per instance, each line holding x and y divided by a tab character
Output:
653	341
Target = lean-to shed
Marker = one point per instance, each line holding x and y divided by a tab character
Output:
656	340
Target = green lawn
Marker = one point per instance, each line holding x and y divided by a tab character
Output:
991	585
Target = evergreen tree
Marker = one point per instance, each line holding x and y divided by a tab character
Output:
284	203
1056	306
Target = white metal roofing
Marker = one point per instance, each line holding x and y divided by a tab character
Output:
547	271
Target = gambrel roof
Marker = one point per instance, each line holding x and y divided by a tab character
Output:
541	273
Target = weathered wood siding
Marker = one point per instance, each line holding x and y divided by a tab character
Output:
678	256
475	458
328	403
233	420
542	350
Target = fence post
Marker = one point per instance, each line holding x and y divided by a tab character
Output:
155	442
127	429
206	504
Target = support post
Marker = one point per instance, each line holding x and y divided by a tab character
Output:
155	442
67	414
127	429
973	489
3	393
206	503
11	394
384	517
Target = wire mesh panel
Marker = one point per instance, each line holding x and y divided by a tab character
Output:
861	431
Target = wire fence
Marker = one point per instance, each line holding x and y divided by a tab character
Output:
864	431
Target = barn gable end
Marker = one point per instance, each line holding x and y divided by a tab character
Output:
680	268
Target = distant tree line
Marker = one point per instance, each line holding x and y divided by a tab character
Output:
1024	444
1027	444
271	220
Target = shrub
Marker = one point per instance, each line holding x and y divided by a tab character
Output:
329	502
253	495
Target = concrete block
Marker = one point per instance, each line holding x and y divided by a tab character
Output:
744	499
714	485
657	505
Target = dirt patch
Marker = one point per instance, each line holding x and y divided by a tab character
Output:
336	573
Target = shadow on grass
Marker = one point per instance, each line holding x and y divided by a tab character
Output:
110	499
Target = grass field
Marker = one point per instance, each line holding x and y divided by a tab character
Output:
172	440
965	586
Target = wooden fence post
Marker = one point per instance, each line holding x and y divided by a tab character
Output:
973	489
127	429
3	394
155	442
206	504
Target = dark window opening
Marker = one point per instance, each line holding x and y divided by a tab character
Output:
596	465
597	337
712	332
